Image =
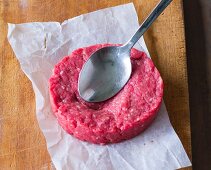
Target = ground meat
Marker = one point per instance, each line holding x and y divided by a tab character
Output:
122	117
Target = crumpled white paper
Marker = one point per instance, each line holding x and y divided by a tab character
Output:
40	45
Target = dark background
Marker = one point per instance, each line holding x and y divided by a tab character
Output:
197	14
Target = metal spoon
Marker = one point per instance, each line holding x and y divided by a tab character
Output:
108	69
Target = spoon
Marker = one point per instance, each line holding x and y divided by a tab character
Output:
108	69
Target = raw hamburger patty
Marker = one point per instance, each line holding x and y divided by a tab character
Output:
119	118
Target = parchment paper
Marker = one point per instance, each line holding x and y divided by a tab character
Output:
39	46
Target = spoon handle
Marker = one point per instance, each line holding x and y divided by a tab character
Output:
146	24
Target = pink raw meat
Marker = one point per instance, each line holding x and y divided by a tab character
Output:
122	117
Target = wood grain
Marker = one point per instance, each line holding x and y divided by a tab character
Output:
22	145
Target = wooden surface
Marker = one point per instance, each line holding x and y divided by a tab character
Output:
198	34
22	145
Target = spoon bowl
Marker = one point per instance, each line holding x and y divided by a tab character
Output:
110	69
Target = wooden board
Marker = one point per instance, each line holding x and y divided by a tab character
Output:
22	145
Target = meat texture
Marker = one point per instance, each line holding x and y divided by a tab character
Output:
122	117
